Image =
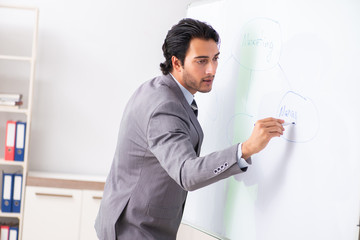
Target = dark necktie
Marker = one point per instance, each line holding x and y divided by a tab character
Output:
194	107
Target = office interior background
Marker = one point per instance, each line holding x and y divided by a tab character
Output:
91	56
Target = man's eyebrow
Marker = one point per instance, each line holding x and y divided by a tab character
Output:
207	56
202	57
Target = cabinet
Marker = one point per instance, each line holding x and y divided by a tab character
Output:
52	213
17	71
58	213
61	208
90	207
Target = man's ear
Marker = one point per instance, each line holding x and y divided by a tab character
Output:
177	66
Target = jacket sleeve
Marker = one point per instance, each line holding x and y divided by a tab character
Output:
168	136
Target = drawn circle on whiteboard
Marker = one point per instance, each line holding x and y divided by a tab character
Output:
239	128
259	44
295	108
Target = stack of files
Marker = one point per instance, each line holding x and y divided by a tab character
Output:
11	192
15	140
9	233
10	100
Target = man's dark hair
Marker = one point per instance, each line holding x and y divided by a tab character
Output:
178	39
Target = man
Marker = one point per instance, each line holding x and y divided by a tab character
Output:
157	157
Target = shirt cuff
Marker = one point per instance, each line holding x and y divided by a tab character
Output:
243	164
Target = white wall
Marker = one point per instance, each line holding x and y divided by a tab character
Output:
91	57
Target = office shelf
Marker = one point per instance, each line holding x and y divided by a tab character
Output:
26	89
14	110
16	58
11	163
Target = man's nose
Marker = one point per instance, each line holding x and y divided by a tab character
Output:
211	68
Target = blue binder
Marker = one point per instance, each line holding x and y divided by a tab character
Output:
13	233
20	141
7	189
16	197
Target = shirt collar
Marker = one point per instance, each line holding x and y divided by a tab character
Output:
188	96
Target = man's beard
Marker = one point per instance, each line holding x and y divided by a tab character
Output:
191	82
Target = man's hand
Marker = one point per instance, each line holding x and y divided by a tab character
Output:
264	130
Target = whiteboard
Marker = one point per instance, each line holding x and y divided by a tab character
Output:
299	61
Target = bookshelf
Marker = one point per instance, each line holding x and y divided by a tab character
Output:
13	85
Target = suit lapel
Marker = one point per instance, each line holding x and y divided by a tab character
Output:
169	81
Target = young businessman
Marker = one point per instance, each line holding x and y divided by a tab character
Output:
157	156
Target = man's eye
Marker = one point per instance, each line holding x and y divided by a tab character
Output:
203	61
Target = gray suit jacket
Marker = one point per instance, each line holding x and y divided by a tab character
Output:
156	162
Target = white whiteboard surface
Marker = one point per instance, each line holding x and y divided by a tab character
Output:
296	60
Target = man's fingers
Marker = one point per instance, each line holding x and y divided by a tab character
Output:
266	123
264	130
275	134
277	129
